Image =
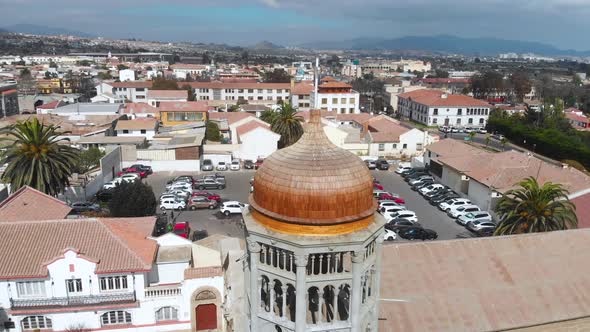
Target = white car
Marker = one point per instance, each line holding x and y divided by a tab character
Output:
168	196
389	211
172	204
221	166
112	184
188	187
403	169
474	216
179	183
131	177
445	206
232	207
420	179
179	194
432	187
457	211
408	215
383	205
389	235
235	165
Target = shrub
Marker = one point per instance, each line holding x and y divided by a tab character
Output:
134	199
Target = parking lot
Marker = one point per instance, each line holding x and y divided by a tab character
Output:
237	188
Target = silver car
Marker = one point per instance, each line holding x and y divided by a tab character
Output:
474	216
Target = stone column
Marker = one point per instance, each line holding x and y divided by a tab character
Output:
321	317
254	255
356	296
376	286
284	308
300	291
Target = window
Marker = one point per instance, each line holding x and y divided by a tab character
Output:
418	146
405	146
435	121
259	90
260	97
435	112
250	90
459	112
352	100
351	110
113	283
470	121
139	89
334	100
279	90
125	131
458	121
74	285
115	317
481	121
31	288
166	313
394	146
269	98
342	100
143	131
139	97
250	98
381	147
324	101
36	322
269	90
240	90
485	111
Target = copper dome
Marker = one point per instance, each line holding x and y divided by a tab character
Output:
313	182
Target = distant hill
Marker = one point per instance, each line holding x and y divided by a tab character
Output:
33	29
266	45
446	44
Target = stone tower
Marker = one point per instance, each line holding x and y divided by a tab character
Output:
314	240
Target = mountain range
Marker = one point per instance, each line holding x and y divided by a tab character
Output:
33	29
446	44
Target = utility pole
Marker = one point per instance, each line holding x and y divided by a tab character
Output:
316	83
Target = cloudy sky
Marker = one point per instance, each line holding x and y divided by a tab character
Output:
563	23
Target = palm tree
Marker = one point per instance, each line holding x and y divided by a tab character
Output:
288	125
268	116
35	158
533	208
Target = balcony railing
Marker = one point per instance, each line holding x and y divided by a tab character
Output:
163	291
73	301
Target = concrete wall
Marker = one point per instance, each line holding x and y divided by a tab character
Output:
452	179
171	273
169	165
217	157
149	134
257	143
480	195
156	155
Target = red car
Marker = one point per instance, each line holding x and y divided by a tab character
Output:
211	196
182	229
377	186
258	163
390	197
128	170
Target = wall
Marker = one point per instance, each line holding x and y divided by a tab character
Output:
217	157
171	273
452	179
257	143
149	134
188	153
170	165
480	195
159	155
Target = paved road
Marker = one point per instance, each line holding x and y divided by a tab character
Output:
428	216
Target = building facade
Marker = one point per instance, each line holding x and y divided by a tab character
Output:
8	100
337	97
313	262
438	108
270	93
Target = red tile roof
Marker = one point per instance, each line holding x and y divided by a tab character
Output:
384	129
359	118
231	117
117	244
494	286
582	204
170	94
251	125
335	84
203	272
183	106
139	108
576	117
302	89
220	85
30	204
188	66
50	106
132	84
7	92
435	98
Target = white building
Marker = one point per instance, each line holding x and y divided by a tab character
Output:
182	70
126	75
388	138
133	91
107	274
146	127
392	91
301	96
267	93
155	97
438	108
337	97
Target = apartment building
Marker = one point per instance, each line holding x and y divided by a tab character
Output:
337	97
155	97
301	96
8	100
267	93
116	92
438	108
182	70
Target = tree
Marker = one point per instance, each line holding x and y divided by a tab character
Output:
47	75
521	84
268	116
132	199
206	59
83	63
244	57
191	94
88	160
104	75
36	158
212	132
121	67
277	76
160	83
52	64
534	208
439	73
288	125
487	84
25	73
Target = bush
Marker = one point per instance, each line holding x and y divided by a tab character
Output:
134	199
212	132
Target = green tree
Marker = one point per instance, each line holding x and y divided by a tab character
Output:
206	59
288	125
25	73
268	116
36	158
83	63
160	83
439	73
104	75
88	160
132	199
278	75
212	132
534	208
121	67
521	84
190	91
47	75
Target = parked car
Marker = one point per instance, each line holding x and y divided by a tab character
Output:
182	229
181	186
208	195
209	184
248	164
128	170
207	165
430	188
182	178
145	168
180	194
390	197
383	205
215	176
446	205
498	136
444	197
258	163
201	202
232	207
371	164
406	214
377	186
165	196
221	166
172	204
486	231
417	233
420	179
80	207
477	226
414	175
112	184
437	192
482	130
397	224
422	183
474	216
131	177
463	209
391	210
235	165
389	235
382	164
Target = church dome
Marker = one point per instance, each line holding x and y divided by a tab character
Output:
313	182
